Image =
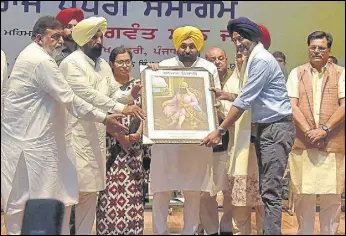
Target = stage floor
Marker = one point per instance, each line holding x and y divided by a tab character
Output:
175	222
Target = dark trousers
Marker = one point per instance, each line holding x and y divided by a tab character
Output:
273	144
72	221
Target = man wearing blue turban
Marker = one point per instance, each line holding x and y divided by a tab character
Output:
262	110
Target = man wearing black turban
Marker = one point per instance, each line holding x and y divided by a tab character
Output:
264	112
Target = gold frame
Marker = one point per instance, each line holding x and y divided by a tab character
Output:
144	106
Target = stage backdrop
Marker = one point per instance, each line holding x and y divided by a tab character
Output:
146	27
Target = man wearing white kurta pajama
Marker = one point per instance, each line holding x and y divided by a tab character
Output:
91	78
186	167
37	159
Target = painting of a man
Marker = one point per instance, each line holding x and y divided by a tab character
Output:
184	109
184	105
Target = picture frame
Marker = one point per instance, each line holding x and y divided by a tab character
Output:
179	106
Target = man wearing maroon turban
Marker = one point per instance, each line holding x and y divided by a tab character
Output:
69	18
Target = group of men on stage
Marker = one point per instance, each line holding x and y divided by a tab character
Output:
57	107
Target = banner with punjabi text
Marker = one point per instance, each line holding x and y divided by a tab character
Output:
146	26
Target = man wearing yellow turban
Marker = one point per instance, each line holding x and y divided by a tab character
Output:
187	167
91	78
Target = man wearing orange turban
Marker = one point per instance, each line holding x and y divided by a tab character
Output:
69	18
187	167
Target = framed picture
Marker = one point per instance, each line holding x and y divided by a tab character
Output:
179	105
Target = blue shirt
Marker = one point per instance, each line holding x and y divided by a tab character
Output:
265	90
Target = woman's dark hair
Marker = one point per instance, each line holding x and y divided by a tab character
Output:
321	35
119	50
44	23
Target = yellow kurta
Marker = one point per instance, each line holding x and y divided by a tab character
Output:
313	171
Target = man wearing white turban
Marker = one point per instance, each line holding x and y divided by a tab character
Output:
91	78
187	167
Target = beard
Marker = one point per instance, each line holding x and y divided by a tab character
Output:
96	50
187	57
57	51
69	38
93	52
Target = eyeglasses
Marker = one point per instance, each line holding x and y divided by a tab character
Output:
122	63
318	48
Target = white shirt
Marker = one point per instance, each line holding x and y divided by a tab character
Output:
183	166
93	82
3	76
36	147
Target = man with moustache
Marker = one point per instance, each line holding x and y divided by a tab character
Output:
268	118
317	161
69	18
37	160
91	78
186	167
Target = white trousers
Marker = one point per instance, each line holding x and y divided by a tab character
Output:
209	214
242	219
191	212
330	211
85	213
13	222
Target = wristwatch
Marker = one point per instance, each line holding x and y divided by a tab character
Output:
221	131
325	128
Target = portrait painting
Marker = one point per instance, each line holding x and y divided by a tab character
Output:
179	106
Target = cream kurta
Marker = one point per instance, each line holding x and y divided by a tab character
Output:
96	85
37	159
244	188
183	166
313	171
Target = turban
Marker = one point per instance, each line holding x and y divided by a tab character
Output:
65	16
86	29
246	28
182	33
266	40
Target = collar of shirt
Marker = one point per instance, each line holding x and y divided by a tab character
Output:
314	71
182	65
40	48
89	60
226	77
